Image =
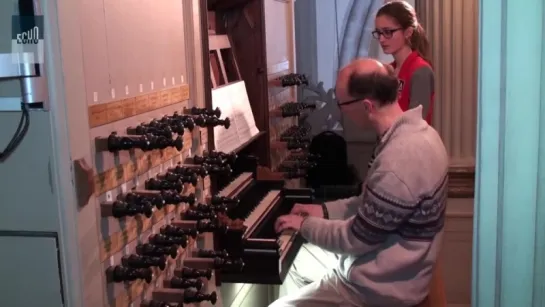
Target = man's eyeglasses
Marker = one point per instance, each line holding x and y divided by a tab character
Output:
344	103
387	33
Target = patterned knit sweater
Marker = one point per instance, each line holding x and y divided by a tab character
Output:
388	238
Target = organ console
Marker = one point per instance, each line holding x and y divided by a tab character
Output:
155	203
257	202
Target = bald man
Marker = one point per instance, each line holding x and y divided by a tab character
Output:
387	238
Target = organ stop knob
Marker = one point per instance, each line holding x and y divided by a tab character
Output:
159	129
174	231
189	171
194	296
121	209
159	185
162	240
147	249
145	142
203	111
219	170
179	120
173	197
191	273
117	143
154	199
210	209
174	177
144	262
208	121
194	215
210	226
183	283
122	274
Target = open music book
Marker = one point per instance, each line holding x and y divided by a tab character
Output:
232	99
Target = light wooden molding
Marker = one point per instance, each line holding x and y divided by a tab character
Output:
105	113
461	181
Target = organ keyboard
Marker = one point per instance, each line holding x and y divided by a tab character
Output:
251	236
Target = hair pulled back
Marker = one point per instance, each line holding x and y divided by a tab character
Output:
405	15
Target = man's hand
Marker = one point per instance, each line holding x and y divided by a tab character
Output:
288	222
308	210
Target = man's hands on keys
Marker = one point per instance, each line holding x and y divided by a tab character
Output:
294	220
308	210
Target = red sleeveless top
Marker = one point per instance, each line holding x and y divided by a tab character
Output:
413	63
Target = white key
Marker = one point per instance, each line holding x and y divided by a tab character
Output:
285	239
262	208
235	184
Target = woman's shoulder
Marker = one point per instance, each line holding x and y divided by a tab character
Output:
419	62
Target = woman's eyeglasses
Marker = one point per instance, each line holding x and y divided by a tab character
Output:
387	33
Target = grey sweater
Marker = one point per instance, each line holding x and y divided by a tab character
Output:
388	238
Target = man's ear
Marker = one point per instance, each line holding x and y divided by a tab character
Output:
368	105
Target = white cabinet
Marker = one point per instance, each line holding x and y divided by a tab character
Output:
29	272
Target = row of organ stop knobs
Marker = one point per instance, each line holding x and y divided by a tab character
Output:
163	132
166	188
187	283
299	162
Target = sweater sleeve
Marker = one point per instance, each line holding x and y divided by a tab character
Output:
383	207
342	208
422	88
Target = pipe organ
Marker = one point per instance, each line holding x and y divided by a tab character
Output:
185	144
182	154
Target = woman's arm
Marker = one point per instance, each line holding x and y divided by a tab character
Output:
422	88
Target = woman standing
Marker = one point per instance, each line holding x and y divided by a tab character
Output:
400	34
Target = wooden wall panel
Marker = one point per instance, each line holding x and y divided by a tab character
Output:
132	49
95	53
456	251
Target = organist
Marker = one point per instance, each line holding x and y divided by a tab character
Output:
387	238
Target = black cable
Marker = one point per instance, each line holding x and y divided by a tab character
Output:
19	135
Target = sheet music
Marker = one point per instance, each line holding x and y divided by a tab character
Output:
233	102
